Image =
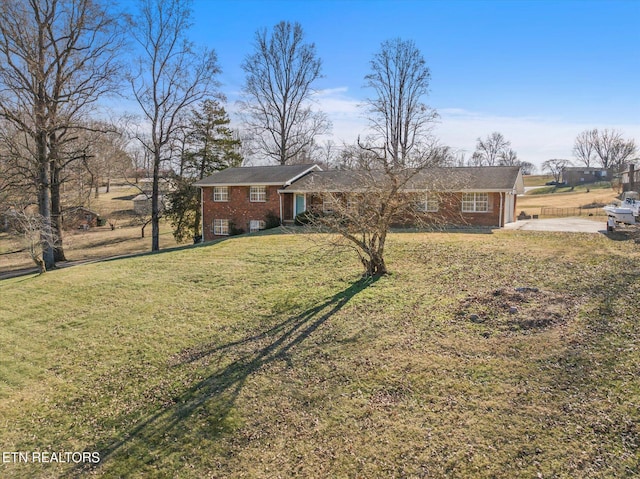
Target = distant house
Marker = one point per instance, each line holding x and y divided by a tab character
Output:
582	175
242	199
142	202
630	178
79	217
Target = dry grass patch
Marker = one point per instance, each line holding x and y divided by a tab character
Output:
99	242
517	310
532	204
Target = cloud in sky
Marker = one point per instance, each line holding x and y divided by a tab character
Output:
337	102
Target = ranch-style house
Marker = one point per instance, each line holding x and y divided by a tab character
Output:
247	198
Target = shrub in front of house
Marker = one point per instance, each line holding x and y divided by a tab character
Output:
234	230
271	220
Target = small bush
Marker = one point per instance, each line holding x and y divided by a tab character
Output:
234	230
271	220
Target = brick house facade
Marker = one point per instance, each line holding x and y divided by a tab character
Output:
449	210
239	207
247	199
466	196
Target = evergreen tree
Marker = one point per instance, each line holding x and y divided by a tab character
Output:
211	146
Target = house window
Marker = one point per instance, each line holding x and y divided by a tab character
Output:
256	225
220	193
220	227
258	194
428	203
475	202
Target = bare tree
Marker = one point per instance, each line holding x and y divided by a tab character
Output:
353	157
400	121
110	155
29	227
102	149
611	149
583	147
527	167
58	57
169	76
555	167
277	93
508	157
400	148
491	150
18	175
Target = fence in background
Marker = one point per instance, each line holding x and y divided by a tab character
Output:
550	212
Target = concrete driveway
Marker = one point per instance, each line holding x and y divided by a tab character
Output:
571	225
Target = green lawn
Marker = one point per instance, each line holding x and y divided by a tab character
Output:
266	356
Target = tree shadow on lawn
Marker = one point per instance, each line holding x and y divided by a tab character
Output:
211	401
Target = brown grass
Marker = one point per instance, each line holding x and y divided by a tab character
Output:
99	242
532	204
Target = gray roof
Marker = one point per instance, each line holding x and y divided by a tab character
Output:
257	175
584	168
488	178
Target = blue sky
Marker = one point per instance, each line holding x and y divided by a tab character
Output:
538	71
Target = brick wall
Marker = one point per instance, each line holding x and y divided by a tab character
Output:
238	210
449	212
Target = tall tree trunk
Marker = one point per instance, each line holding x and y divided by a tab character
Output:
56	214
56	203
44	187
44	202
155	204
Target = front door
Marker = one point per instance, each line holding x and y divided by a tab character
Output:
300	205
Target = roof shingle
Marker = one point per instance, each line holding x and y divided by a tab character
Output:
494	178
256	175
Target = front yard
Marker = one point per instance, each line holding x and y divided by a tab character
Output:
267	356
